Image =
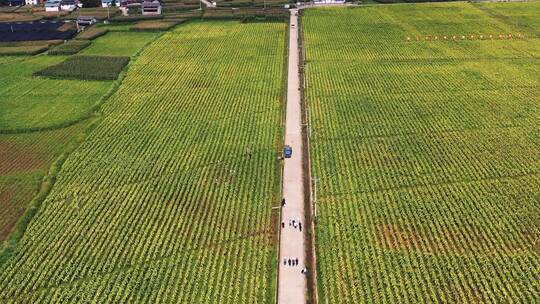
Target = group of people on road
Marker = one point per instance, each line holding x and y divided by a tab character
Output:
294	262
296	224
290	262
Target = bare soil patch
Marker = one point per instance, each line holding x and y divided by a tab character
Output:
447	241
13	200
18	159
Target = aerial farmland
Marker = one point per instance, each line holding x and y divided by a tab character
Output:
269	152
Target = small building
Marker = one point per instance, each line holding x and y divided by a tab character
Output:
151	8
125	3
52	6
83	21
68	5
33	2
107	3
16	2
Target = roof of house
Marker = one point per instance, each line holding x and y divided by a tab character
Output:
52	3
86	18
151	4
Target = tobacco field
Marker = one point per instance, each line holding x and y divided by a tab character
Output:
427	153
169	197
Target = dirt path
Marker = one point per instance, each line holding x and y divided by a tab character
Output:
292	283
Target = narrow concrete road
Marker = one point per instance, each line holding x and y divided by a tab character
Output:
292	283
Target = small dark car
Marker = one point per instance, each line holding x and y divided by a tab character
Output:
287	151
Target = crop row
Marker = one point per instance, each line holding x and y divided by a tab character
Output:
432	244
169	198
426	156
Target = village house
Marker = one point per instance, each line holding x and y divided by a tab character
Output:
33	2
52	6
68	5
85	21
151	8
106	3
16	2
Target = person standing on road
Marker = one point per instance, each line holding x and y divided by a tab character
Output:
282	202
300	226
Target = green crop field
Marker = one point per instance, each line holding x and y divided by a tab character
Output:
69	48
144	166
41	120
427	153
25	160
169	197
28	102
86	68
119	43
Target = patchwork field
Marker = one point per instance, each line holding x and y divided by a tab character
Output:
26	159
28	102
40	118
169	198
427	152
155	182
